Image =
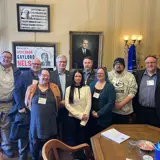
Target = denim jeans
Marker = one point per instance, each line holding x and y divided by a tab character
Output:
23	148
5	130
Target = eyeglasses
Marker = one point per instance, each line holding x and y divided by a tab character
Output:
99	73
62	61
150	63
36	64
5	57
44	75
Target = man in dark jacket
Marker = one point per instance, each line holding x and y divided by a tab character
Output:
62	78
80	54
27	78
9	76
147	100
89	73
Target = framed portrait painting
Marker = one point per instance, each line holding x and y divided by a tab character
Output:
24	52
85	44
33	18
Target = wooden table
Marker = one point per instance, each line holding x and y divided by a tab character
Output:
106	149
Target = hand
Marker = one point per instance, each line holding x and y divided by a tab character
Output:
94	114
1	156
119	105
22	110
84	117
62	102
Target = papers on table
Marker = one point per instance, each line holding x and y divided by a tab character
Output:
115	135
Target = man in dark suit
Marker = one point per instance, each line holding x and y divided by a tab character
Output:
45	61
80	54
63	79
147	100
89	73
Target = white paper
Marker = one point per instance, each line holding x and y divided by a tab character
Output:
115	135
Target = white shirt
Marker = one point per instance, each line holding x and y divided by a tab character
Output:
62	79
84	50
81	105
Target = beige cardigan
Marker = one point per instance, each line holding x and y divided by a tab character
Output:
31	90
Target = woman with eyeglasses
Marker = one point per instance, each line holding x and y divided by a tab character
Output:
42	99
78	104
103	100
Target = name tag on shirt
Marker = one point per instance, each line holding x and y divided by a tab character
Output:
119	91
96	95
42	100
150	83
34	81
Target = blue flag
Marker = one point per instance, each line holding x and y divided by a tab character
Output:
132	65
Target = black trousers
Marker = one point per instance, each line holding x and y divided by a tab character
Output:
62	123
75	132
120	119
147	115
93	128
36	146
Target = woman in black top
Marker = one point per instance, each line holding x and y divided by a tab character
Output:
103	100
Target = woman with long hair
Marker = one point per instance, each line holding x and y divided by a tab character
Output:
78	104
103	100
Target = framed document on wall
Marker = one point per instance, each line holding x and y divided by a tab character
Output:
24	52
33	18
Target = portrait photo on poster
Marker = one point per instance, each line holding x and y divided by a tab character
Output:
25	52
33	18
85	44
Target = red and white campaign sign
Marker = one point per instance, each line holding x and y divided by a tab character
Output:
25	55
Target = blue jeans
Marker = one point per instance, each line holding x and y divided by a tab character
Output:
23	148
5	130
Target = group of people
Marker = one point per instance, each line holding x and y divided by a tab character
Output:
38	105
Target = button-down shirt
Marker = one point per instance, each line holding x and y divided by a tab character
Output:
147	90
86	75
62	78
6	88
84	50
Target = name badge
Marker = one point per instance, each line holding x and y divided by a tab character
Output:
150	83
42	100
96	95
34	81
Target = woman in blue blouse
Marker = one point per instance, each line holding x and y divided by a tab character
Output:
103	100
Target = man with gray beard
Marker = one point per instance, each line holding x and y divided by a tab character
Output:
26	79
89	73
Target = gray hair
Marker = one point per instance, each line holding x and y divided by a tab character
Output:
60	56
